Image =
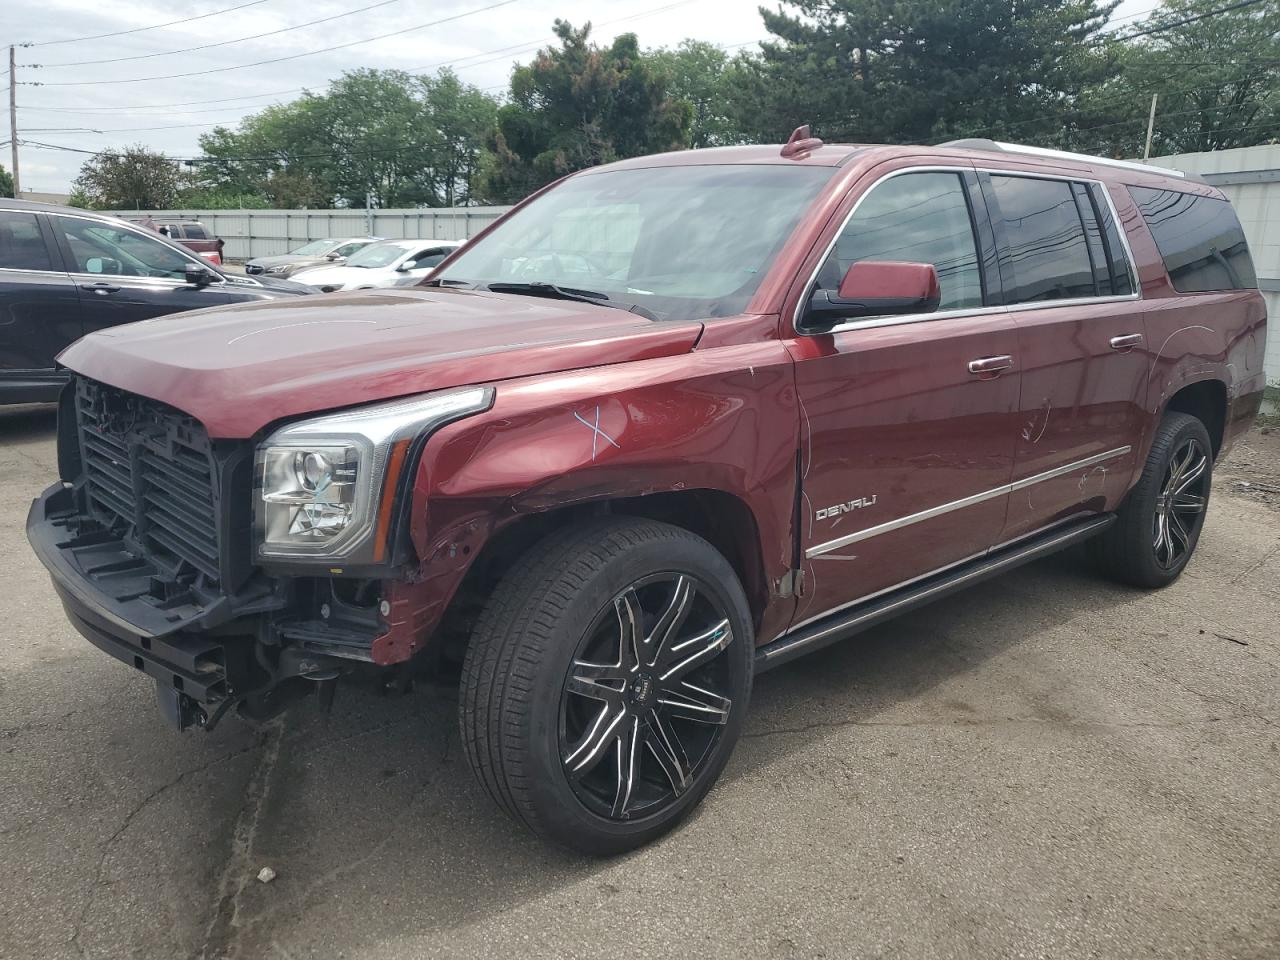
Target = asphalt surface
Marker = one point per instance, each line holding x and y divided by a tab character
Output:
1044	766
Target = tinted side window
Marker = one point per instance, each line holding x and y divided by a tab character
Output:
103	249
21	245
347	249
1048	251
194	231
1200	239
919	218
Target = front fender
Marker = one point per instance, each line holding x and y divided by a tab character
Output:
723	419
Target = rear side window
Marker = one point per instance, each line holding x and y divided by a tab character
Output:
21	245
916	217
1199	238
1048	248
195	231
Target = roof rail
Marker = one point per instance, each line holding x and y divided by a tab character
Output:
981	143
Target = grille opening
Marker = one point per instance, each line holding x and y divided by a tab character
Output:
149	476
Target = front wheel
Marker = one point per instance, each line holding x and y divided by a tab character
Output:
607	681
1159	525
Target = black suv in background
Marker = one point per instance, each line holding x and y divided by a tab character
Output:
67	272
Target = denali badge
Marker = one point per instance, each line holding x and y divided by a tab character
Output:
847	507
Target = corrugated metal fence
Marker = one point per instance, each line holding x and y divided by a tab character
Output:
265	233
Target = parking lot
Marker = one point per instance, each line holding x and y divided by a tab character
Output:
1044	766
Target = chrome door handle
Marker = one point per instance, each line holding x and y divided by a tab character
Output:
990	365
1126	342
100	288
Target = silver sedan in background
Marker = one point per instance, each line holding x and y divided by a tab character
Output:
391	263
311	254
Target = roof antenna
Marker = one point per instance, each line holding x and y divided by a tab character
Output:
800	143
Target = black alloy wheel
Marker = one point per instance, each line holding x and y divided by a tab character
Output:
646	697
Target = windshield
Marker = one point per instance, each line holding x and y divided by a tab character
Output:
682	242
377	255
313	249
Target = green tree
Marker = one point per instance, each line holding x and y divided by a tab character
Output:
1217	80
705	77
578	105
403	139
6	183
134	178
905	71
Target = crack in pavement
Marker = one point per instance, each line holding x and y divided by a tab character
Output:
299	901
222	934
137	808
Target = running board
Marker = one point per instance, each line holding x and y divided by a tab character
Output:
846	623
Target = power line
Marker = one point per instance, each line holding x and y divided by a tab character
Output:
154	26
295	56
159	106
221	43
1161	28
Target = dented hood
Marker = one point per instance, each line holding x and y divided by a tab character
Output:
239	368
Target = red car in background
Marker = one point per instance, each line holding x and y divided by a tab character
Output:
192	234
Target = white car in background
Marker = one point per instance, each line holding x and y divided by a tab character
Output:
391	263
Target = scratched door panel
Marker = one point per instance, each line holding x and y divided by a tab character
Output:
1082	405
893	425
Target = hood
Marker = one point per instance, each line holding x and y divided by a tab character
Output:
278	285
316	276
265	262
239	368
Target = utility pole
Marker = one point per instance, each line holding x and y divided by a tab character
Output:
13	117
1151	126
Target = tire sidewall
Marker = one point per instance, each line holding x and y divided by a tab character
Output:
562	813
1173	432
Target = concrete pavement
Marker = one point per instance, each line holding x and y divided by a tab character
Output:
1045	766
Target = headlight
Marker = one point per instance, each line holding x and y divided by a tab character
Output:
325	488
278	268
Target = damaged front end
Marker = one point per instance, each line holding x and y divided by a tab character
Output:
150	540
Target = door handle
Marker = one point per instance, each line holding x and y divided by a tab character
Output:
1126	342
988	367
102	289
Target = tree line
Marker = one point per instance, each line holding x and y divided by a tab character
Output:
1054	73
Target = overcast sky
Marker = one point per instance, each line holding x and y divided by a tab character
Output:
116	114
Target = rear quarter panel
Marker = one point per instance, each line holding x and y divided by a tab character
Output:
1197	336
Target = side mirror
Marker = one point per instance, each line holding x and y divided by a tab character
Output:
406	266
875	288
197	275
333	256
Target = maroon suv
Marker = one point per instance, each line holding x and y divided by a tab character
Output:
667	423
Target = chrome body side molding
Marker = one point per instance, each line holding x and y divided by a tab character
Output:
863	616
857	536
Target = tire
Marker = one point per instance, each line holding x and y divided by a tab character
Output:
1133	550
575	746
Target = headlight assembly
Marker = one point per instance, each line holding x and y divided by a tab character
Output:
324	488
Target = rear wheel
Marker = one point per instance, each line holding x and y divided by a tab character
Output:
1159	525
607	681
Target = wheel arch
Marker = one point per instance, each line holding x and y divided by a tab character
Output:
1206	400
721	518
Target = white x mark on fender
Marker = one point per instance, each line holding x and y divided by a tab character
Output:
596	432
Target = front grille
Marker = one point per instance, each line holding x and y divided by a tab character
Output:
150	473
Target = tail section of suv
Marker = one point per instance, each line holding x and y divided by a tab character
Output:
667	423
65	273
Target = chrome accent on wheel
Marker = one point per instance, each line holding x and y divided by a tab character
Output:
1180	504
644	699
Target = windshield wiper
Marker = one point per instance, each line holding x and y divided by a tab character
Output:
540	288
